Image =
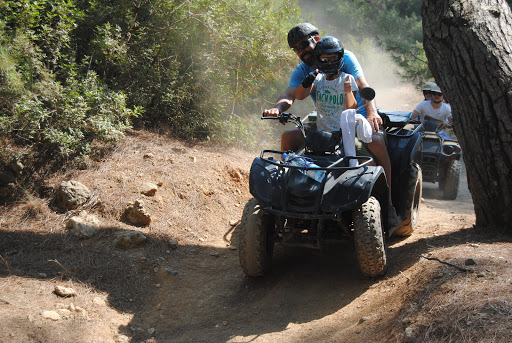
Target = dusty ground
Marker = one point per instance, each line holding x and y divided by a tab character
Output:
197	291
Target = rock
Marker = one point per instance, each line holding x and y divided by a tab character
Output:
64	291
151	331
51	315
122	339
214	254
362	320
127	240
470	262
84	225
149	189
65	313
8	191
17	167
173	244
136	214
71	194
410	332
81	310
148	155
11	172
99	301
7	177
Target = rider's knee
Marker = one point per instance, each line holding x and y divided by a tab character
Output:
291	140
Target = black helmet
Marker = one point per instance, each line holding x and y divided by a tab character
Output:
300	31
328	45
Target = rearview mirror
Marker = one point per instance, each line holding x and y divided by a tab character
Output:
367	93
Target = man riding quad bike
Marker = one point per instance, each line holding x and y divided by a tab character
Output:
347	203
439	158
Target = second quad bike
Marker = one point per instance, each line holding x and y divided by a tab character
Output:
349	204
439	158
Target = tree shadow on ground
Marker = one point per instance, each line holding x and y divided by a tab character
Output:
199	293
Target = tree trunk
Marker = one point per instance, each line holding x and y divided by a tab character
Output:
468	44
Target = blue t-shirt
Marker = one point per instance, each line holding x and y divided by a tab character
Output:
350	66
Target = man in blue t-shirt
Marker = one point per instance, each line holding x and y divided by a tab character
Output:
302	39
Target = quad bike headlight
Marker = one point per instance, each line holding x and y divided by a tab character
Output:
448	149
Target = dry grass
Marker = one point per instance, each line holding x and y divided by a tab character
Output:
455	306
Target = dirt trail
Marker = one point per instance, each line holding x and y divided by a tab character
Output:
197	292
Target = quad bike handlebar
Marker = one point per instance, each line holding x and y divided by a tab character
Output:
285	117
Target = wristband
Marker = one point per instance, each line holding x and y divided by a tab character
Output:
308	80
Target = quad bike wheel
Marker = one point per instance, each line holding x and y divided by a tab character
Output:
256	244
442	179
451	182
369	239
414	190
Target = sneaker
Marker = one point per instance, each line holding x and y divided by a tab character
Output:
393	220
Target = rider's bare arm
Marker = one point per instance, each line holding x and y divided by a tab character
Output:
350	95
302	93
415	114
284	102
371	110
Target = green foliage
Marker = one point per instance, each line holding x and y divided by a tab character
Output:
44	101
191	65
75	71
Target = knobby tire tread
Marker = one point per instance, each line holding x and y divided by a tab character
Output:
369	239
451	187
254	253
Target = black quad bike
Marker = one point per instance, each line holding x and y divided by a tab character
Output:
348	204
439	159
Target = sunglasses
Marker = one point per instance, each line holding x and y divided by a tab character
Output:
304	45
436	93
329	59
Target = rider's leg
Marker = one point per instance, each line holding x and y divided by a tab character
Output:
378	148
292	140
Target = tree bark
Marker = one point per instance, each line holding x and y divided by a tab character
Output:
468	44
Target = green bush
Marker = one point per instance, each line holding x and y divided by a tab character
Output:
72	72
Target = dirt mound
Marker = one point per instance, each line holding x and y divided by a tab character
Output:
185	283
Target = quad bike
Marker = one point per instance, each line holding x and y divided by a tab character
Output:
348	205
439	159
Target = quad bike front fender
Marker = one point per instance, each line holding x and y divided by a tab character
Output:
353	188
264	182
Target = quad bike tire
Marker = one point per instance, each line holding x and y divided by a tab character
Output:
442	179
256	245
369	239
451	185
414	191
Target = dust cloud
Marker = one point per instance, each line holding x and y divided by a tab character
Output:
392	93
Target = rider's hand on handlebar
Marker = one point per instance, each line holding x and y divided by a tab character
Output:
273	112
375	120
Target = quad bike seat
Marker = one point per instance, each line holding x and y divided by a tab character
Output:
322	142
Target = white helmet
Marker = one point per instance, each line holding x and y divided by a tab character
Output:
428	86
436	89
